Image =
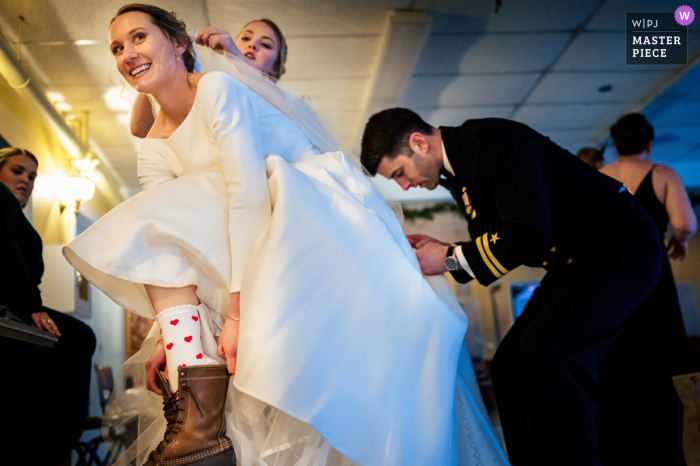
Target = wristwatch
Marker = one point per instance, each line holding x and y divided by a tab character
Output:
451	261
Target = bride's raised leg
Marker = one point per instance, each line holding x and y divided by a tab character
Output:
164	298
195	395
178	314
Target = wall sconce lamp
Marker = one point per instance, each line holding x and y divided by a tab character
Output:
85	165
76	191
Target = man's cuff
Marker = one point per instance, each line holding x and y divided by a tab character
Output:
465	274
463	261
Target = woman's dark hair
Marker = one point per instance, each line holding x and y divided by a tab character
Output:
631	134
591	156
8	152
173	28
278	67
387	133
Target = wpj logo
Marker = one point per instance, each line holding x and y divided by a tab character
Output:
649	23
658	38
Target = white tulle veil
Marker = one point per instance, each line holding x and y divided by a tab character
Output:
317	129
301	113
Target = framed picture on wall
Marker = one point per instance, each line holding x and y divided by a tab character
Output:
135	332
82	297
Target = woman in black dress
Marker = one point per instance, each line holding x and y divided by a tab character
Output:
639	413
42	386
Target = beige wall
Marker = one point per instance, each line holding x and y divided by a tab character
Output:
688	272
23	125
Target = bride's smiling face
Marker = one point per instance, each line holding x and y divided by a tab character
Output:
144	56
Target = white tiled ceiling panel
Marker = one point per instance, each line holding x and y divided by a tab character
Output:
556	65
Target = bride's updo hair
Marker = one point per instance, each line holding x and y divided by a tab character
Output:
278	67
173	28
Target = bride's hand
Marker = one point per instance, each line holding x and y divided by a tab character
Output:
431	257
228	340
418	241
155	363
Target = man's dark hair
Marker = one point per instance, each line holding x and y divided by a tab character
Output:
386	135
631	134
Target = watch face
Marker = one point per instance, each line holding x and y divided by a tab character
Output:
451	264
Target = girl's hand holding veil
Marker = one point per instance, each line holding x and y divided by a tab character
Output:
228	340
218	39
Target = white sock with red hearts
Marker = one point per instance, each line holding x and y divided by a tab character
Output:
182	336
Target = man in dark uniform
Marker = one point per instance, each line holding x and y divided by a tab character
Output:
530	202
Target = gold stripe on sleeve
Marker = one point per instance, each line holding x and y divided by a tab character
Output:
486	259
498	265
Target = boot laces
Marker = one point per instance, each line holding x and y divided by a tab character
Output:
171	409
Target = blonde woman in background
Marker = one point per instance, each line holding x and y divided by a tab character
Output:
37	380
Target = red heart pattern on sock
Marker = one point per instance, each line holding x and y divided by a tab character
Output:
181	328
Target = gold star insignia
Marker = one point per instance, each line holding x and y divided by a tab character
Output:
494	238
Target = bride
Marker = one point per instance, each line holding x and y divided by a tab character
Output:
252	229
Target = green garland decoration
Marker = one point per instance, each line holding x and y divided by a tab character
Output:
428	213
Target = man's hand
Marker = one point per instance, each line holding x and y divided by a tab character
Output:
431	257
156	363
676	249
228	340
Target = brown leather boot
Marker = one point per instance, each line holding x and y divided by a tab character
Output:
196	432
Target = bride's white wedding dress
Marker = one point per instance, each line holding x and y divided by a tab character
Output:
346	354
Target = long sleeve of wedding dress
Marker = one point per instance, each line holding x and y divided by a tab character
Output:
154	168
233	122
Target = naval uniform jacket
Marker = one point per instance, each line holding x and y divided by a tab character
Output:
527	200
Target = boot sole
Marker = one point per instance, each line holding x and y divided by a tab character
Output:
225	458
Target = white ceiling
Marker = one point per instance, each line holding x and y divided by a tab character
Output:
540	62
